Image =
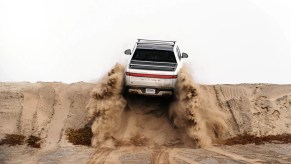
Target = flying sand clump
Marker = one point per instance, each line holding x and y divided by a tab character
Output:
194	116
106	106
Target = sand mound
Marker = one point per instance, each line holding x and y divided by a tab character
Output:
197	117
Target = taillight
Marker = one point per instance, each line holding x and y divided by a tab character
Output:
151	75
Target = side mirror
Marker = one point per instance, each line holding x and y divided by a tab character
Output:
127	52
184	55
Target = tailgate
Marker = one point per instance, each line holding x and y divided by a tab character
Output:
152	74
149	78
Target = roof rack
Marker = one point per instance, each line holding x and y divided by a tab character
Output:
162	42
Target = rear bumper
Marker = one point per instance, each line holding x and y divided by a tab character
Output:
141	90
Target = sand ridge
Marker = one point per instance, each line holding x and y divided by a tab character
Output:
47	109
200	115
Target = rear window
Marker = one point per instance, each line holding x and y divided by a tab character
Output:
154	55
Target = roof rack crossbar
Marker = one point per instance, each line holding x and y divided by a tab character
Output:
153	41
158	43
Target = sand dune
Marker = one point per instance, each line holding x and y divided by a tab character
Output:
47	109
199	116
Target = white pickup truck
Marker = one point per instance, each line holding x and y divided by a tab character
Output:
153	67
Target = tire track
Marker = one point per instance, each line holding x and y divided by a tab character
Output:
174	154
233	155
163	156
61	109
100	156
27	121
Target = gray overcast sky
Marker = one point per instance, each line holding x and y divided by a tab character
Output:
228	41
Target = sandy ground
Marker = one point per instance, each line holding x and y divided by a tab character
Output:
268	153
46	110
